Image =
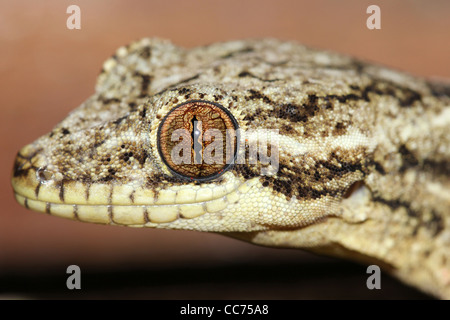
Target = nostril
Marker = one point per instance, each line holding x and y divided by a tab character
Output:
44	175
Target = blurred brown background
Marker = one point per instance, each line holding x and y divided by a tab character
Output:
47	70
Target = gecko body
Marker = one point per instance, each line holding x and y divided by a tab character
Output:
361	159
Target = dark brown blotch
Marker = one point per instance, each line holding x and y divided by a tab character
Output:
439	89
408	158
340	129
146	52
405	96
145	83
65	131
238	52
256	95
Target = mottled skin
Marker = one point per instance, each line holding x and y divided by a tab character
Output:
363	154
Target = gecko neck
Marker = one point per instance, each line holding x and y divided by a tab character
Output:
397	216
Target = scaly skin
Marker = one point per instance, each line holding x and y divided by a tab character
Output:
363	154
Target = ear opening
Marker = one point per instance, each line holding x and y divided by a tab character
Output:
355	186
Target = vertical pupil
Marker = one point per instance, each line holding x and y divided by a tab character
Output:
202	157
197	140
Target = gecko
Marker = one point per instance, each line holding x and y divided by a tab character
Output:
308	149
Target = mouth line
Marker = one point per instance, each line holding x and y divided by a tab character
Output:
141	214
130	215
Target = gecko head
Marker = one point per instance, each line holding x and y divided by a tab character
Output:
178	160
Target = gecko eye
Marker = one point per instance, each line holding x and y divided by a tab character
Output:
197	140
